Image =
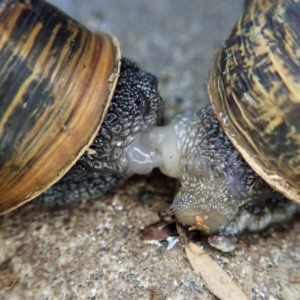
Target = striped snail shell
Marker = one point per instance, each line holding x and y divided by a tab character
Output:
57	82
253	86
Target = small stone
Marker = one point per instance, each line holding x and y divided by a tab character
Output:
223	243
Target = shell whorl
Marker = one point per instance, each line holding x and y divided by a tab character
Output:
254	84
56	82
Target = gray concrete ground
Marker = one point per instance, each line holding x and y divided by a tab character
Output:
94	250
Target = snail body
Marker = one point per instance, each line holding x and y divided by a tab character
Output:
68	107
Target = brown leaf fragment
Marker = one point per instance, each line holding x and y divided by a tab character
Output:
215	278
157	232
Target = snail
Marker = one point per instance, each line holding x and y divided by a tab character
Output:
238	158
59	83
77	117
247	141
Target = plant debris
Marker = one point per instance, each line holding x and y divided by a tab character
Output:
215	278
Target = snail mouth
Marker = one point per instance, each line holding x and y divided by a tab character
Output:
156	148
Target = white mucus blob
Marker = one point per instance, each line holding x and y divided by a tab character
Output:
156	148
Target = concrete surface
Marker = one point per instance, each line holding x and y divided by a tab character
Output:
94	250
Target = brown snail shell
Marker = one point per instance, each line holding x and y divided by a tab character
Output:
55	58
254	85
